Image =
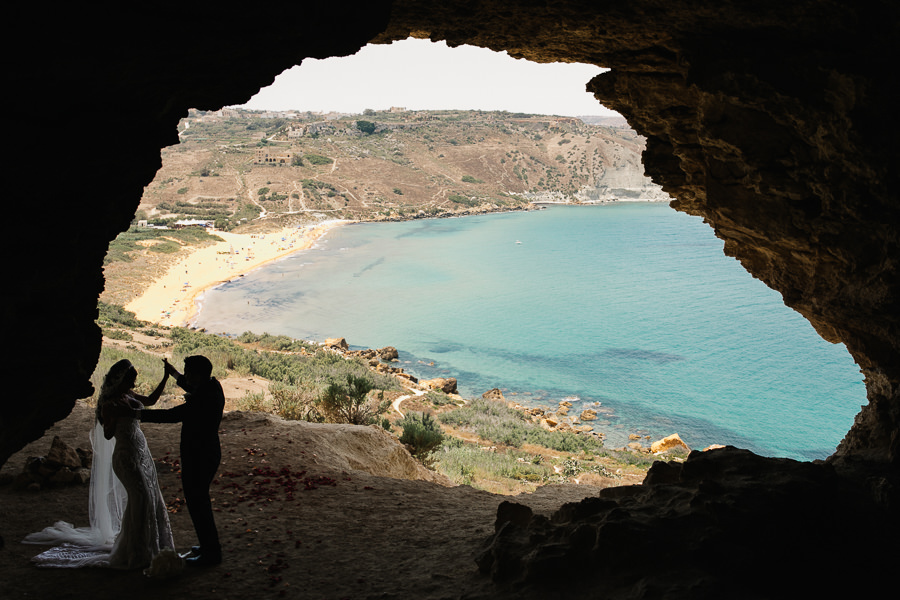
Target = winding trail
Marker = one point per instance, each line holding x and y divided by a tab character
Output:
396	403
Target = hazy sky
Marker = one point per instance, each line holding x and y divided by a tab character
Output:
421	75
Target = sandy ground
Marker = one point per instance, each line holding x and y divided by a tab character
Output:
351	534
170	300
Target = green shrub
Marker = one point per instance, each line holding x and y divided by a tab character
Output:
469	464
350	403
295	403
367	127
117	334
317	159
254	402
422	434
437	398
494	421
464	200
113	314
470	179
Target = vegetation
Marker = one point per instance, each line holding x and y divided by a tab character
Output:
464	200
494	421
216	159
351	403
158	240
509	454
470	464
422	434
114	315
316	369
367	127
318	159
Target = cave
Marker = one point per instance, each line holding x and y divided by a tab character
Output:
771	120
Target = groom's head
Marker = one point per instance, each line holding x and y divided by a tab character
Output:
197	369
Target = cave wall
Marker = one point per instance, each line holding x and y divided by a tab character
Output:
769	119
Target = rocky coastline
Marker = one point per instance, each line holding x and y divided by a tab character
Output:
383	361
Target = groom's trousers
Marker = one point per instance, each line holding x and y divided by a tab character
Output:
197	473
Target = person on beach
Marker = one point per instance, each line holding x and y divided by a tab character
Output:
201	452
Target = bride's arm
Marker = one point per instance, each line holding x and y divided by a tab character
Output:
154	396
108	420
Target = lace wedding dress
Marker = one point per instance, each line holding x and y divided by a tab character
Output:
129	525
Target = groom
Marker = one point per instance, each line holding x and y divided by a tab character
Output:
201	453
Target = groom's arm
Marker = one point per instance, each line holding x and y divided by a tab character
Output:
168	415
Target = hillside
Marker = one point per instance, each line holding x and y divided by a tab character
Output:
233	165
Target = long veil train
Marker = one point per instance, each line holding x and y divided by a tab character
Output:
88	546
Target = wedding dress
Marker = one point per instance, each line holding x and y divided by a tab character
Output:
129	524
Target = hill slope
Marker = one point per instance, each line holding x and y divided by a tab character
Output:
234	165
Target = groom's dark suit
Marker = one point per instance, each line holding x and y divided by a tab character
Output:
201	453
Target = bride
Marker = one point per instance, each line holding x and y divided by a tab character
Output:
129	525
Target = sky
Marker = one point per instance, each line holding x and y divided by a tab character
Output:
424	75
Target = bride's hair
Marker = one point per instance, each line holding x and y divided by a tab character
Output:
112	383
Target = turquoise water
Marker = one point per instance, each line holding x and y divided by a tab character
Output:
633	306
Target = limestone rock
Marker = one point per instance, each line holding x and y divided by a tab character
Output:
336	343
63	455
588	415
446	385
494	394
668	443
388	353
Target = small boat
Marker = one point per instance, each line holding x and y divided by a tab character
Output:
518	242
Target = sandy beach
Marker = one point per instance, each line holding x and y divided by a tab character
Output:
171	299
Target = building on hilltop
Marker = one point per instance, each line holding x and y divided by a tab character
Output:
273	156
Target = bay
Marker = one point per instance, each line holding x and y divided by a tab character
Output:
633	306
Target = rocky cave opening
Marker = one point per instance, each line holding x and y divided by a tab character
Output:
773	122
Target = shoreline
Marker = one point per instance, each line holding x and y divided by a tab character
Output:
171	300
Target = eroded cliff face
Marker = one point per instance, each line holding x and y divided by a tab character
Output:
772	120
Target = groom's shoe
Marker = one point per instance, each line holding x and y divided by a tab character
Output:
205	559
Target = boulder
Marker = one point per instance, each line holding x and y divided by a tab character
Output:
588	415
494	394
668	443
448	385
336	343
63	455
388	353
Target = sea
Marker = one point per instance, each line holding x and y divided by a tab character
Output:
631	309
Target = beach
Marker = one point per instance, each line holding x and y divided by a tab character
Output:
171	299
